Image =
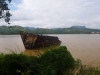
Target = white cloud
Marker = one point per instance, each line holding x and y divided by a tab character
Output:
56	13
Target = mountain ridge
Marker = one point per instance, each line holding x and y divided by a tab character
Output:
6	30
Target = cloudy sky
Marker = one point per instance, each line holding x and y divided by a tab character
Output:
55	13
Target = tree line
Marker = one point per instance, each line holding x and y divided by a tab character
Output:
5	30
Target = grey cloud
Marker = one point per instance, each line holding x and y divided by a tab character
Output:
57	13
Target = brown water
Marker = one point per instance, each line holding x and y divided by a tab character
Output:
82	46
10	43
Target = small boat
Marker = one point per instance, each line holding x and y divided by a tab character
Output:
32	41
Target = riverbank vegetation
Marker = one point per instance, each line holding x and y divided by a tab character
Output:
5	30
55	61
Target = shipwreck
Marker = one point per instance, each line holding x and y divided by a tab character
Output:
32	41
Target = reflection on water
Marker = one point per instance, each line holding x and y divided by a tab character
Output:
33	52
82	46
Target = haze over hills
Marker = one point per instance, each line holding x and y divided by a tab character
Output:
78	27
6	30
30	28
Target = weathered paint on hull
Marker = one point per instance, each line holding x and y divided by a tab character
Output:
32	41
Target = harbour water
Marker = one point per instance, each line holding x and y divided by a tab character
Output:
82	46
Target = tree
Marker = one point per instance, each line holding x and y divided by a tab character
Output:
4	10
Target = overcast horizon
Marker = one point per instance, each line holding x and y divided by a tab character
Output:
55	13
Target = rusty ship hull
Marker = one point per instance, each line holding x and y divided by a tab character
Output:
32	41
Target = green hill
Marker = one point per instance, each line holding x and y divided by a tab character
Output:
5	30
